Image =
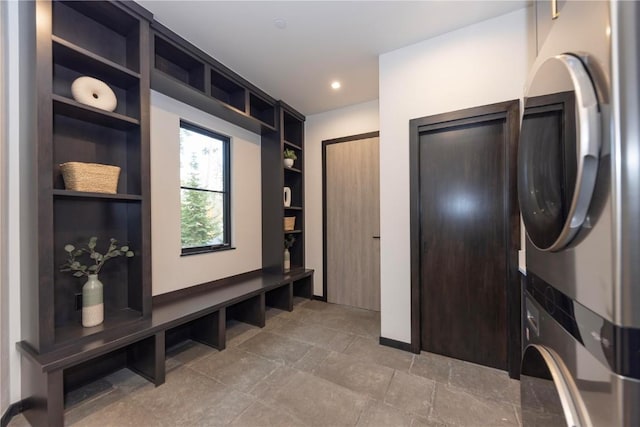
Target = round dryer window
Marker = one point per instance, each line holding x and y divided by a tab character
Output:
558	153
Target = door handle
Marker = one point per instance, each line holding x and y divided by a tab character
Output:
376	237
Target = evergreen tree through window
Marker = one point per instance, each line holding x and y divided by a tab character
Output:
204	190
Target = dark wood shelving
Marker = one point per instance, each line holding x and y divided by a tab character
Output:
293	232
226	90
262	110
292	145
87	62
178	64
70	108
75	333
290	134
83	194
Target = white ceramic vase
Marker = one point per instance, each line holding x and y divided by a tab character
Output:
92	302
287	260
288	163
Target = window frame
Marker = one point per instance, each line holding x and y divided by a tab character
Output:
226	185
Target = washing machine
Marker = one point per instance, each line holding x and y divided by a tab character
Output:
579	194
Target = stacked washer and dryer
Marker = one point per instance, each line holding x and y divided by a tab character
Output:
579	192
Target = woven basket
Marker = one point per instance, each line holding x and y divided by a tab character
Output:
289	223
90	177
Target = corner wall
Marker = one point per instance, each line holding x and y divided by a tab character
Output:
352	120
477	65
170	271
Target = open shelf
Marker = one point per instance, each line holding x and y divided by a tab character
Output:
74	332
293	208
85	194
293	129
176	63
87	62
292	231
292	169
99	27
75	140
262	110
292	145
70	108
226	90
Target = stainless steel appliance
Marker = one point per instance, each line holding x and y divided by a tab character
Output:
579	192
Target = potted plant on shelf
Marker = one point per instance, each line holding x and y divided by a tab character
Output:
289	157
289	240
92	299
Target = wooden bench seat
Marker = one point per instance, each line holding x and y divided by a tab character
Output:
197	313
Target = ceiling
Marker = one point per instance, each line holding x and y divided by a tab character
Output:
321	41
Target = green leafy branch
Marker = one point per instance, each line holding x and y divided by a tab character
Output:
78	269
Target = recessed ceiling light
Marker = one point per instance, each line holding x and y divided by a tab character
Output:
335	85
280	23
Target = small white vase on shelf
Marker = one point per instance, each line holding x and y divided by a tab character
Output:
287	260
288	163
92	302
287	197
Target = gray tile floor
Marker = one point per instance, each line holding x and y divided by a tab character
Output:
320	365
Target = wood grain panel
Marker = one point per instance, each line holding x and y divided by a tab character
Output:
463	236
352	220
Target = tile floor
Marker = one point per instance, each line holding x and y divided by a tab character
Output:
320	365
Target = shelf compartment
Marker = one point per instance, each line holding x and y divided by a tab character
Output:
176	63
88	195
262	110
296	252
75	221
293	208
293	130
292	145
128	96
99	27
293	232
74	332
76	140
70	108
87	62
226	90
293	170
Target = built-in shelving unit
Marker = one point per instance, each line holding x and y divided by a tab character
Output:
276	176
183	72
108	41
118	43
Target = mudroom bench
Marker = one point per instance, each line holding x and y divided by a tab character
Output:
198	313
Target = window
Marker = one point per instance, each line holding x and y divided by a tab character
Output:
204	190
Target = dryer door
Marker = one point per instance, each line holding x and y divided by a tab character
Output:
546	391
558	154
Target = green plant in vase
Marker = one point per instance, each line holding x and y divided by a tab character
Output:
92	298
289	157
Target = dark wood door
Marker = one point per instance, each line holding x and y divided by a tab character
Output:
464	222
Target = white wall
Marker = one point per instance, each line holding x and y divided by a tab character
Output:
481	64
17	34
4	303
352	120
170	271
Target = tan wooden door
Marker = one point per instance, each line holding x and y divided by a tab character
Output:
352	189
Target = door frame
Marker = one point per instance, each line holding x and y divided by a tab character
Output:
361	136
510	111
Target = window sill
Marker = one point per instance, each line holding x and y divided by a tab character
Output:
201	251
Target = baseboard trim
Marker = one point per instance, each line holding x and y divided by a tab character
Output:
320	298
405	346
13	410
